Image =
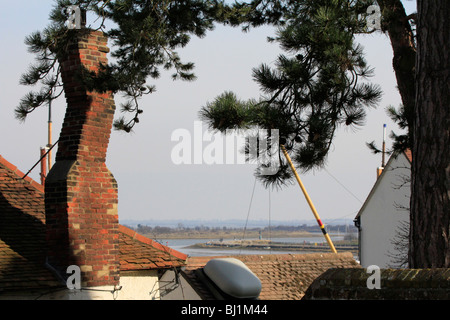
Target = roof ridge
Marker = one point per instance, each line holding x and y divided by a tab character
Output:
276	257
20	175
138	237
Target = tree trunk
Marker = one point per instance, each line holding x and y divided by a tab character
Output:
430	183
396	24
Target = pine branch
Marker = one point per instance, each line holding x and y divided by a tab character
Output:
145	37
316	86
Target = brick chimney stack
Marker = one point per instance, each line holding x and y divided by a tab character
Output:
80	192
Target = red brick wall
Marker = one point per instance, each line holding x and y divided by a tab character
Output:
80	192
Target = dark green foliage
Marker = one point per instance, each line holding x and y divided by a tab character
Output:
227	112
317	86
145	35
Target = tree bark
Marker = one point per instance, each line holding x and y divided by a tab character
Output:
396	24
430	183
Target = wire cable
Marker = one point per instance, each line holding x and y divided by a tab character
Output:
343	186
42	158
248	214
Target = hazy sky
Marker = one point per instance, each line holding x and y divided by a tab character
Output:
151	186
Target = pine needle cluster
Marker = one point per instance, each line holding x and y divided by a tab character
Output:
318	85
144	36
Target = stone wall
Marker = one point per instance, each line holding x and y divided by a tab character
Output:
394	284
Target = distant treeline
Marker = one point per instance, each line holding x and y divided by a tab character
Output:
144	229
330	228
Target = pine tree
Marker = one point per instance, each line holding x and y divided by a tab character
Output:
394	22
430	183
145	35
317	86
422	80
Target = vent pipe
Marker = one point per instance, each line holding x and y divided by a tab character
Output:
49	143
43	173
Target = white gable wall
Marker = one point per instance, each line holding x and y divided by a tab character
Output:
141	285
382	214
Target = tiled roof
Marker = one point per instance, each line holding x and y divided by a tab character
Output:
140	253
22	237
22	231
283	276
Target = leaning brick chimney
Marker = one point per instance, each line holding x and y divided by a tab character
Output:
80	192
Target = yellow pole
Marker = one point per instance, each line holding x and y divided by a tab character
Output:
308	199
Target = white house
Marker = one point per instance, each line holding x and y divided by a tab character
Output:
383	220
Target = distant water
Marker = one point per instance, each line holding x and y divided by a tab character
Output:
182	245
